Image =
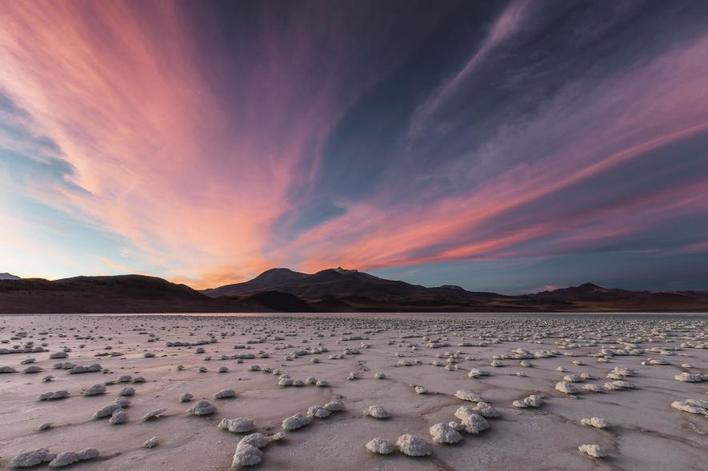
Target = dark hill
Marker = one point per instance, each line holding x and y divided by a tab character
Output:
350	290
277	301
340	289
332	290
269	280
119	294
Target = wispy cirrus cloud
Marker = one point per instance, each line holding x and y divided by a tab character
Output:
207	144
581	134
121	91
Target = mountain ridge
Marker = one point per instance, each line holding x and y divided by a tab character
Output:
329	290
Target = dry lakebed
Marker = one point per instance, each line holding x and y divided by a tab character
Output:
354	392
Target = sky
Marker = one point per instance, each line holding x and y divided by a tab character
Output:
510	146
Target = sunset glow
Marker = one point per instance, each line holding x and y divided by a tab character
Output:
206	144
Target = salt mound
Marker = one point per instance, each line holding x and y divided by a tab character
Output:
202	408
32	458
377	412
594	450
246	455
67	458
54	396
225	394
444	433
154	414
410	445
295	422
692	406
379	446
567	388
237	425
485	410
686	377
618	385
468	396
530	401
473	422
151	442
95	390
596	422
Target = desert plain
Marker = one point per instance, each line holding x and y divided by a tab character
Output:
355	391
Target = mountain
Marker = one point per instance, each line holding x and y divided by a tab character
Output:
589	296
331	290
588	291
350	290
117	294
274	279
8	276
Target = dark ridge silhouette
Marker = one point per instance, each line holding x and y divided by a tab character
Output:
350	290
334	290
277	301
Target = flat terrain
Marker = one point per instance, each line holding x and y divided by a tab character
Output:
435	351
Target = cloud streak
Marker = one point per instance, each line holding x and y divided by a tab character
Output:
208	144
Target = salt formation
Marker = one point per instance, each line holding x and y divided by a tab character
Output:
118	417
468	396
618	385
95	390
473	422
260	352
237	425
379	446
475	373
318	412
410	445
106	411
151	442
686	377
127	392
377	412
692	406
186	397
225	394
77	370
54	396
334	406
619	373
444	433
155	414
530	401
295	422
246	455
596	422
594	450
67	458
486	410
567	388
202	408
32	458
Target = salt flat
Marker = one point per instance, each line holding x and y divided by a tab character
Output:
431	374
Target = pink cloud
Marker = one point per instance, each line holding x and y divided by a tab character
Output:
196	183
165	163
626	117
